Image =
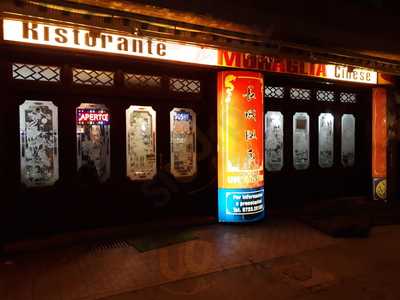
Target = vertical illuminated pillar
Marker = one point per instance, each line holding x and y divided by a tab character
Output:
240	146
379	143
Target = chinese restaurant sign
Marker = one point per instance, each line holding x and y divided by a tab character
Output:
75	37
293	66
240	146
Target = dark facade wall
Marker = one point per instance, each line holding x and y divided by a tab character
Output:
71	204
393	145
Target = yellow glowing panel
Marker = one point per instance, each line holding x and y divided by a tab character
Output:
93	40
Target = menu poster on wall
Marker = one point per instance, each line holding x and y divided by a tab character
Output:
93	141
141	161
39	143
240	146
183	142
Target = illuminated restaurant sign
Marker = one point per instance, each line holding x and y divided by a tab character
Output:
75	37
94	40
240	146
293	66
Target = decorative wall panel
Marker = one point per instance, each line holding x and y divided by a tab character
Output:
273	141
301	141
39	143
348	140
141	163
325	140
183	142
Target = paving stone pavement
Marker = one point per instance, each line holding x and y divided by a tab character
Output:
362	269
81	273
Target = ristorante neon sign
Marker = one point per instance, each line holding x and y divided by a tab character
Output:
94	40
75	37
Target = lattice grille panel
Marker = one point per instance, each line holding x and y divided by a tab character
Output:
181	85
348	97
300	94
274	92
142	81
326	96
36	72
93	77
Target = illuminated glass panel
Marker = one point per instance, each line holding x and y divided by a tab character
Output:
325	140
36	72
183	142
326	96
93	77
301	141
275	92
39	143
273	141
348	97
348	140
142	81
93	141
181	85
141	161
300	94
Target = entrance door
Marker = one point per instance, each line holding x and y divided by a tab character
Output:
318	141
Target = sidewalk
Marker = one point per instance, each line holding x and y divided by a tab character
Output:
279	259
363	269
84	273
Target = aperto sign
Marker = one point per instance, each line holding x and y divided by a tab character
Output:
49	34
92	117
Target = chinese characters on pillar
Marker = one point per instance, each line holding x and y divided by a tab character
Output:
240	146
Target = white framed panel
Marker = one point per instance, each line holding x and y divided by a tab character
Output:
93	139
183	142
273	141
301	141
348	140
141	162
325	140
38	125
